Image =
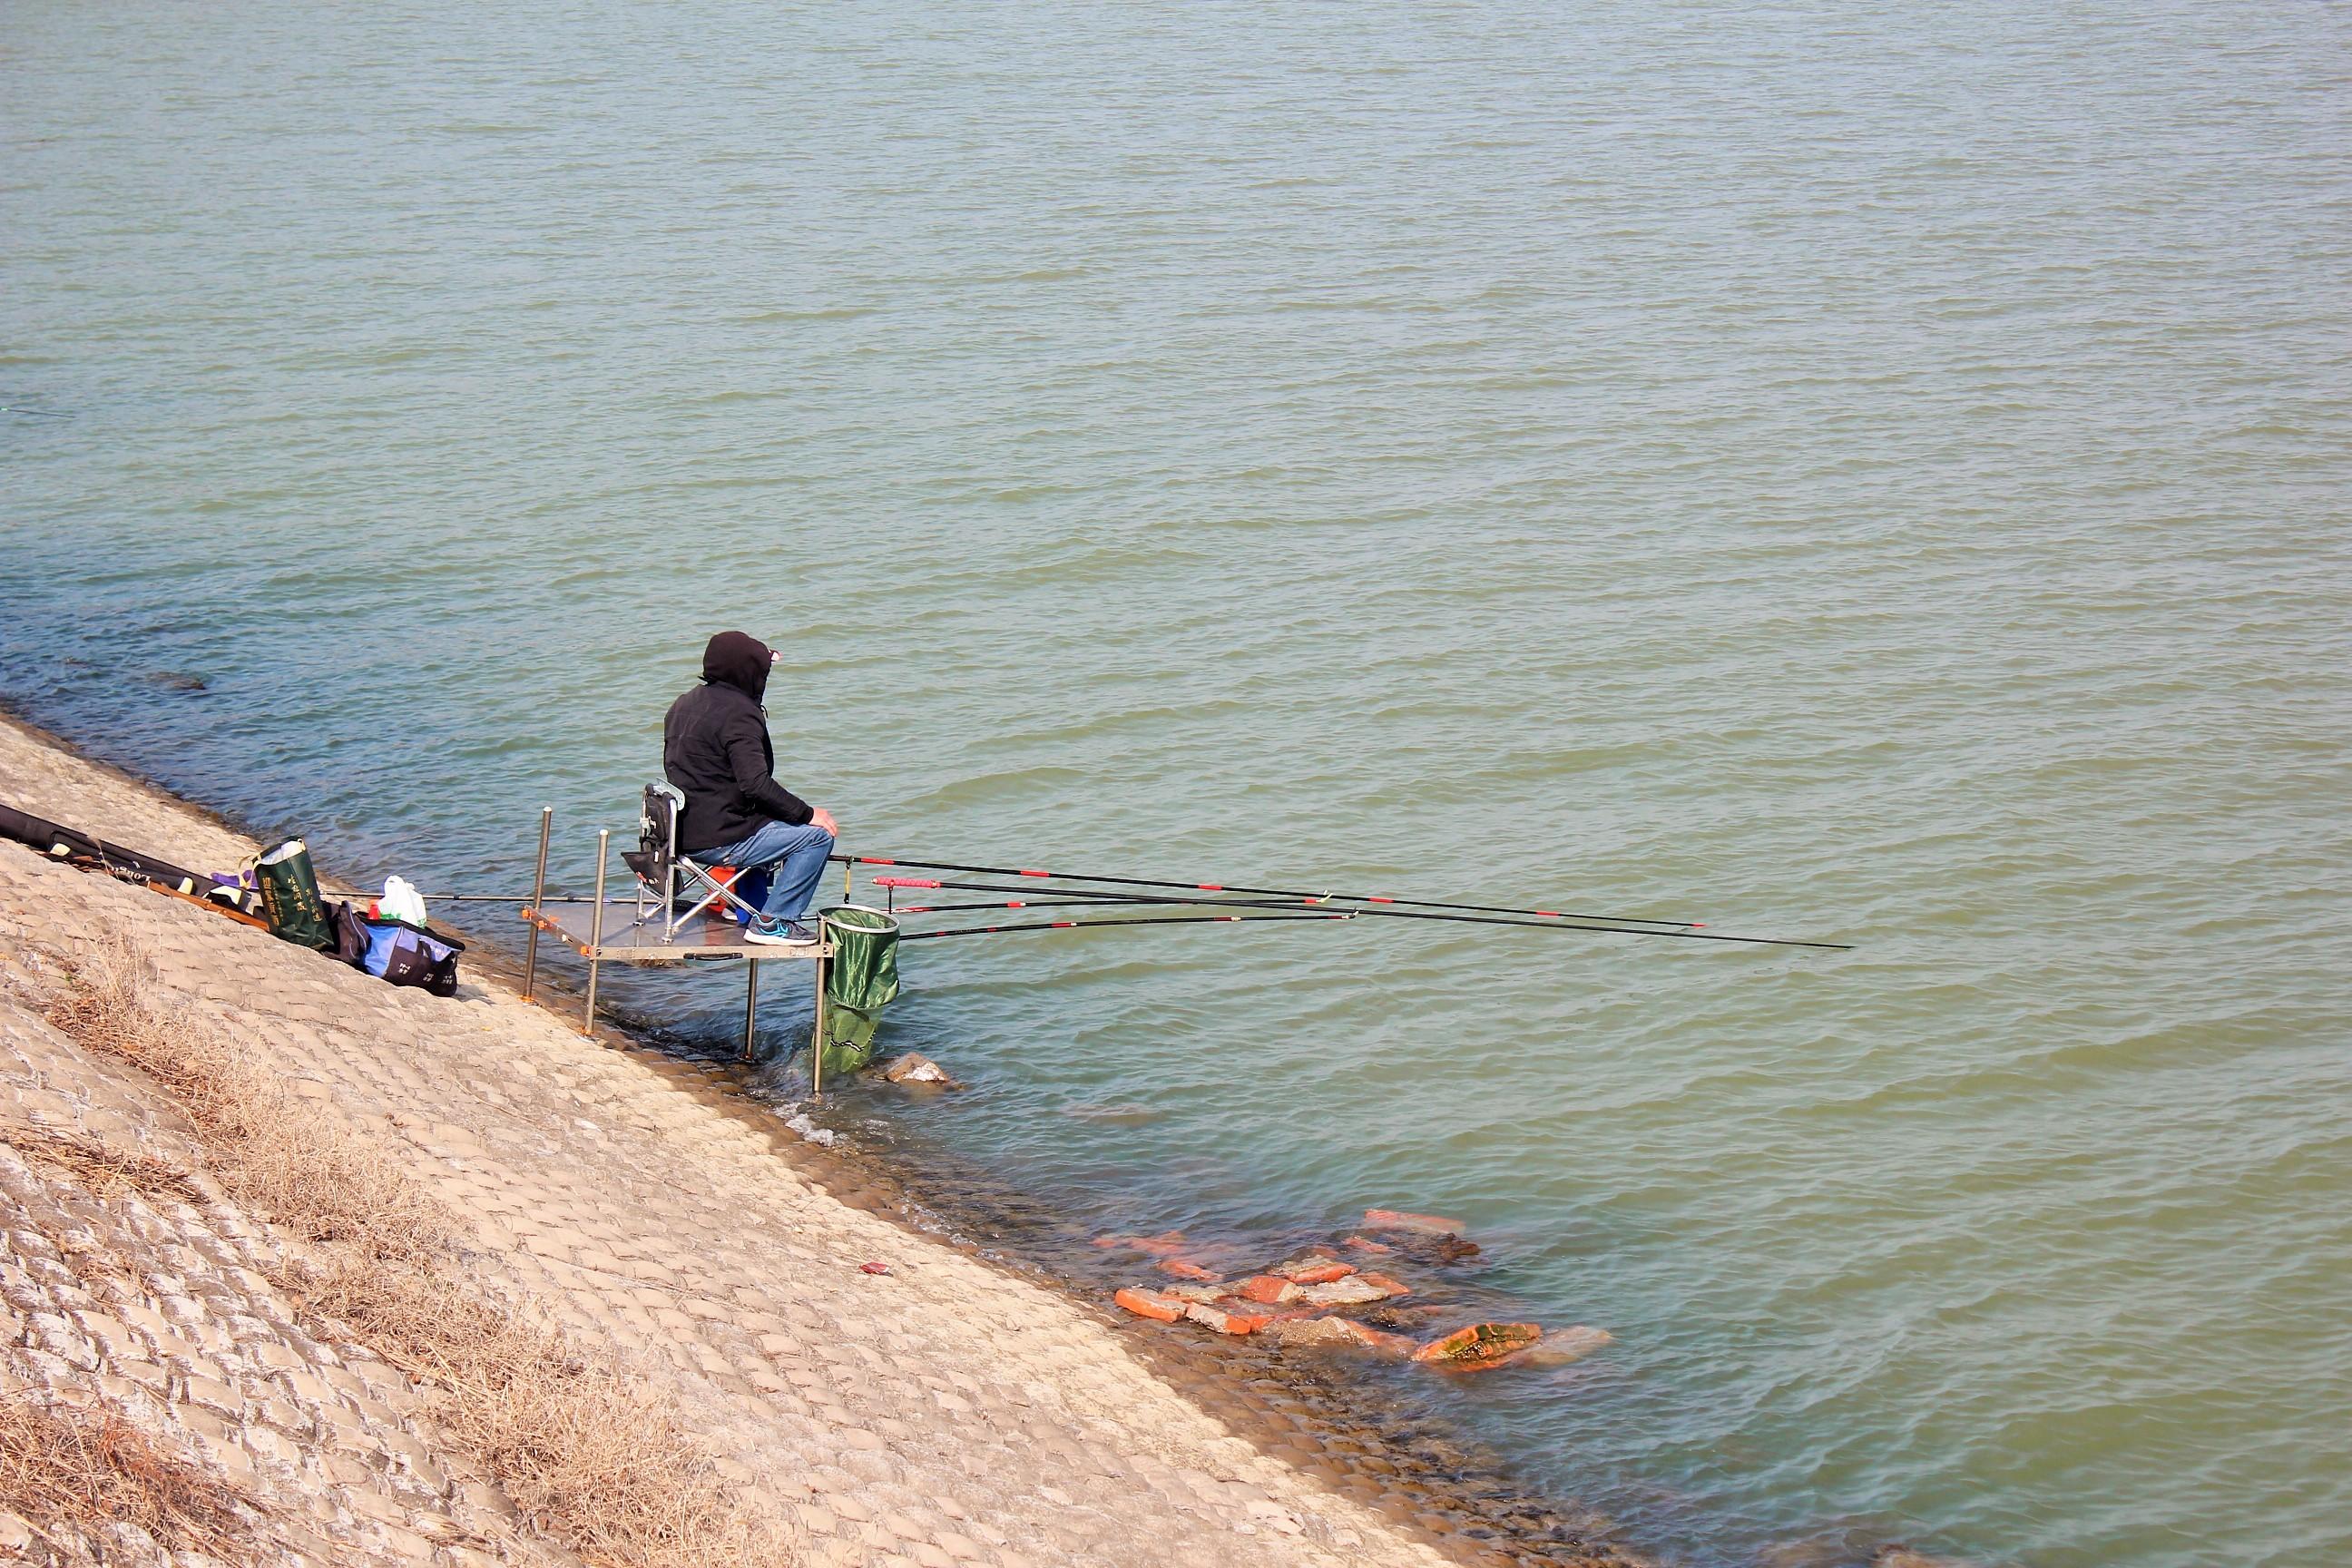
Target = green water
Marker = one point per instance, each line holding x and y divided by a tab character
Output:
1876	472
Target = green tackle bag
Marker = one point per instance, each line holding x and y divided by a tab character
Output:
862	978
289	896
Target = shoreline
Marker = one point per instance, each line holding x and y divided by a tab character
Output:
1331	1438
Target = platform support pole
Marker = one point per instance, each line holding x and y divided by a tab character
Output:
596	928
816	1041
751	1006
538	897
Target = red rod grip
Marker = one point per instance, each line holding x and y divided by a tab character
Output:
1059	925
874	861
1553	914
1376	899
1209	886
1036	873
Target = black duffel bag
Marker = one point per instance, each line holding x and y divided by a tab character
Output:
395	952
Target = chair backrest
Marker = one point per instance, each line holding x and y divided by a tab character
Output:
665	804
656	852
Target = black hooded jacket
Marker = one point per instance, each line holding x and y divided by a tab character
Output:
715	748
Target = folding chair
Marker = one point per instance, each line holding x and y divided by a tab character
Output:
665	874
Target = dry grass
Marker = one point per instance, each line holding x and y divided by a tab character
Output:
81	1469
598	1461
101	1167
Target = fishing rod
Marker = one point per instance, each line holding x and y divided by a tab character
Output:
1589	923
1323	897
1077	902
1147	921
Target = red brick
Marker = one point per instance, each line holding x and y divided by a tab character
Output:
1315	1270
1393	1287
1353	1291
1366	1244
1150	1304
1184	1268
1479	1346
1203	1292
1269	1288
1226	1322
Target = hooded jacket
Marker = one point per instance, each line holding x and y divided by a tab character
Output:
715	748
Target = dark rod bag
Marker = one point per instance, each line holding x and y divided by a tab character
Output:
76	848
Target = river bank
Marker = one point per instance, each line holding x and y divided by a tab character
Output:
951	1410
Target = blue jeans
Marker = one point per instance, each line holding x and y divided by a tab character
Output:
793	858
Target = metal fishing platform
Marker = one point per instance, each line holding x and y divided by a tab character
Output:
649	927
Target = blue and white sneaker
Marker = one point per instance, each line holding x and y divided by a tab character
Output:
779	933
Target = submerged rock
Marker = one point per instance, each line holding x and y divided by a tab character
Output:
913	1068
1343	1333
1560	1346
1355	1290
1166	1243
1312	1269
1118	1113
1423	1224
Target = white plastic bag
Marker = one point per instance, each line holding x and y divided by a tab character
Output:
402	901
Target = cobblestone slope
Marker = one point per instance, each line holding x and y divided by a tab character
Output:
948	1413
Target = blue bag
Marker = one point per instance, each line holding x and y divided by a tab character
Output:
397	952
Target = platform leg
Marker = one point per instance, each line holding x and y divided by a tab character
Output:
751	1006
538	897
816	1041
596	929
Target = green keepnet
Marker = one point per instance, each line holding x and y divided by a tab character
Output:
864	980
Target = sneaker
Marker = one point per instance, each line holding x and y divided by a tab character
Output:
779	933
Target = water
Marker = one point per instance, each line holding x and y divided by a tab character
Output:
1874	473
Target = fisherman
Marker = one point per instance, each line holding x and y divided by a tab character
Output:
715	748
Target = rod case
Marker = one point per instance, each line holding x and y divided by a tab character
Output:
80	850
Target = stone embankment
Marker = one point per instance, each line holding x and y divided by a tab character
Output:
944	1412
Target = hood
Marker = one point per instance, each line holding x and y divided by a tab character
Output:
737	659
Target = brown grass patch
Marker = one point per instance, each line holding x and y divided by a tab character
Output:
83	1470
101	1167
598	1461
